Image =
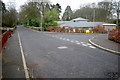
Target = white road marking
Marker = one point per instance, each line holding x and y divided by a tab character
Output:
84	44
81	42
78	43
71	41
62	47
23	59
92	47
64	39
60	38
68	40
88	44
18	69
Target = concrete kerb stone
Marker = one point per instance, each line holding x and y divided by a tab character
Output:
98	46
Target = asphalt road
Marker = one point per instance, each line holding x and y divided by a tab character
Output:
62	55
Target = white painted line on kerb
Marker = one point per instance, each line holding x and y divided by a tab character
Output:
103	47
23	59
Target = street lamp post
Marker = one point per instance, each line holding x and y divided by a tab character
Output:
41	20
118	10
94	16
40	2
41	16
93	5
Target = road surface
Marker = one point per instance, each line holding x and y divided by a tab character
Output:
62	55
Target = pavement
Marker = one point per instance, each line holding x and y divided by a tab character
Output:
12	66
57	55
104	43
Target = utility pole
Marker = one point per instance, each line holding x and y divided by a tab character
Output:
0	14
94	16
93	5
118	12
41	15
41	19
40	2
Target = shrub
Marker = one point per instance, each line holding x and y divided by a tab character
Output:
114	35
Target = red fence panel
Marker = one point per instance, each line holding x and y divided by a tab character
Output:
4	39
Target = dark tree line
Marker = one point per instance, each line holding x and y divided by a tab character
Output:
8	16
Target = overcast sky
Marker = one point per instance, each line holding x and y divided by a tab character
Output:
75	4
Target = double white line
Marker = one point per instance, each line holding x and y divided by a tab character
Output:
23	59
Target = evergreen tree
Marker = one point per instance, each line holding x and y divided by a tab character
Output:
67	15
